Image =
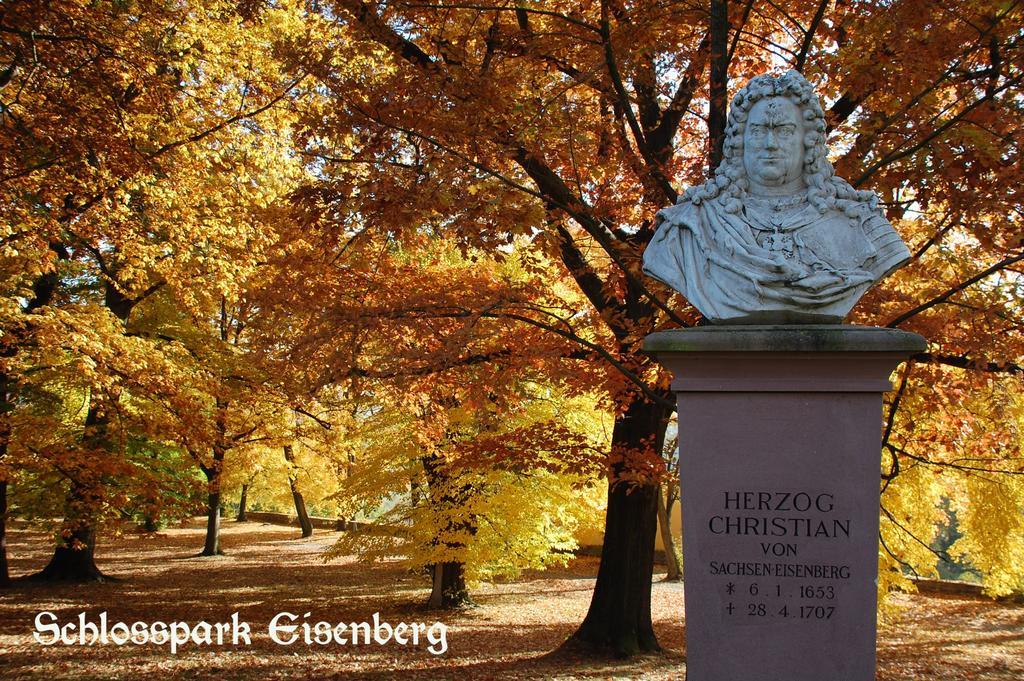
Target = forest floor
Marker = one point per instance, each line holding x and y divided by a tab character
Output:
509	634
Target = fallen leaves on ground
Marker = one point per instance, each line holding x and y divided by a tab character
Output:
514	631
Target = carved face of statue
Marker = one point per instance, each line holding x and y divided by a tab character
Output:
773	146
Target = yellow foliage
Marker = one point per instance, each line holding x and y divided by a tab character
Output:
498	507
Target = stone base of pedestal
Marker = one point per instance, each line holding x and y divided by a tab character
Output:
779	433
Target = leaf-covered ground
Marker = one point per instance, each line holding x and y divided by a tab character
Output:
511	633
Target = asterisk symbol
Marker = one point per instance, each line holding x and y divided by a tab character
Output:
729	588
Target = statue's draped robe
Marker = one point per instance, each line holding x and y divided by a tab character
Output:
763	266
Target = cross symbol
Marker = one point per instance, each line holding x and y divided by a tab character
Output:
730	608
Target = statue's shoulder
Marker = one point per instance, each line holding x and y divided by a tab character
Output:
687	210
889	250
892	250
873	217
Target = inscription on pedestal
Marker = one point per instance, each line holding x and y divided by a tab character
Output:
772	582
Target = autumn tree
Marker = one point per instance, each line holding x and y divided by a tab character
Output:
409	335
479	462
573	123
484	499
119	118
165	165
303	473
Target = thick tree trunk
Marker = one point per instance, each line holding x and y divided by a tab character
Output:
719	31
151	514
449	587
672	557
300	511
241	504
212	545
449	495
74	558
300	502
619	619
5	575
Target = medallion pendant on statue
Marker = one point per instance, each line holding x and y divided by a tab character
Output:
777	241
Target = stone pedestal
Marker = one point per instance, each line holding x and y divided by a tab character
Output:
779	436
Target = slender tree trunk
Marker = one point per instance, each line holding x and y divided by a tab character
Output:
414	492
241	504
300	510
300	502
151	517
211	547
619	618
672	557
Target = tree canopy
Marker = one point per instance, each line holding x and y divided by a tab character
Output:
402	241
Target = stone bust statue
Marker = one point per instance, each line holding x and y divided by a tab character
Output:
774	237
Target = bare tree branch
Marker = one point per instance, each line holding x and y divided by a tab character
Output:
801	57
627	108
965	362
517	9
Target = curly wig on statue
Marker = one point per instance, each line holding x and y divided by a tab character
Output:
825	191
